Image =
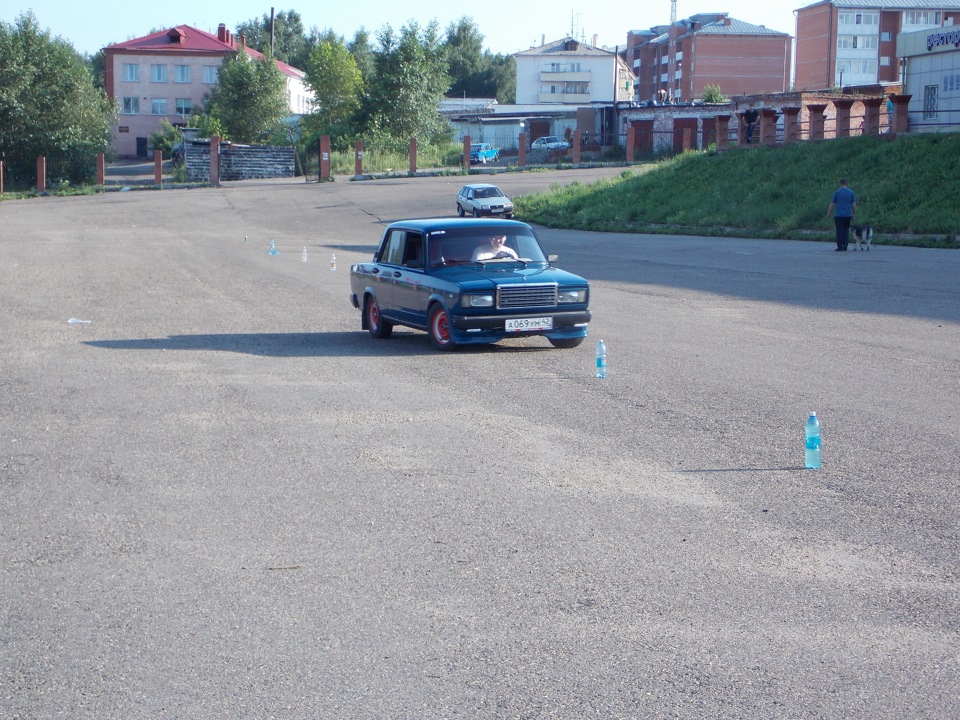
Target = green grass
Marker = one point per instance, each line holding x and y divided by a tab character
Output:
907	189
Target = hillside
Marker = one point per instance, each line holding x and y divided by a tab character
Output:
908	189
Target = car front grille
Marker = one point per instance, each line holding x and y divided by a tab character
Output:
523	296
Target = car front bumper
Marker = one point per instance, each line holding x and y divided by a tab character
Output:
490	328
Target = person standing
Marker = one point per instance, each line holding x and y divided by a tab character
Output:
843	205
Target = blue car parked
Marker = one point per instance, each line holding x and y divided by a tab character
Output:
468	281
483	153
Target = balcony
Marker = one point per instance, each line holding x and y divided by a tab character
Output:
566	98
547	76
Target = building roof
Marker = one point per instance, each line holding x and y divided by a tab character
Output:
736	27
889	4
566	46
187	40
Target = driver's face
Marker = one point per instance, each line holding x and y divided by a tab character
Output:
498	240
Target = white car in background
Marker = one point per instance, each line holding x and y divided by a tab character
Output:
549	142
482	199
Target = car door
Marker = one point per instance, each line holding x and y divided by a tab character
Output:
386	270
409	292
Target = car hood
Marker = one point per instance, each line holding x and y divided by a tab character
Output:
487	202
475	277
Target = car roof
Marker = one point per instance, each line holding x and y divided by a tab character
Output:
478	185
429	225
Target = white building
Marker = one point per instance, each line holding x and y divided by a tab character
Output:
570	72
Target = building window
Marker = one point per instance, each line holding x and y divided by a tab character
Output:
884	62
158	73
184	106
131	105
158	106
885	36
858	18
181	73
921	17
131	72
930	102
210	74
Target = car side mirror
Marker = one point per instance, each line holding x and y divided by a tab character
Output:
552	258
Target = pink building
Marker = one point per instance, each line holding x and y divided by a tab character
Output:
167	75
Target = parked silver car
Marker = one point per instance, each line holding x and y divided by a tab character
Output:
549	142
481	199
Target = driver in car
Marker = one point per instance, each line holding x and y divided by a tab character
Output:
494	249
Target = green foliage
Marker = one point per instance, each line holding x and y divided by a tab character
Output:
165	138
411	79
713	94
772	191
335	79
475	72
48	104
250	98
290	44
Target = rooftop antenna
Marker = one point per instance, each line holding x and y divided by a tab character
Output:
673	12
573	24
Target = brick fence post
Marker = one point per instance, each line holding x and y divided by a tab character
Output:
768	126
843	106
413	156
522	151
324	157
1	177
816	122
158	168
871	115
576	147
465	160
791	124
358	158
41	173
631	148
101	169
723	131
901	118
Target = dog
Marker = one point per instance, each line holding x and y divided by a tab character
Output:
864	236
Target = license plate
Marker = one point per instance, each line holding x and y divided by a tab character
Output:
526	324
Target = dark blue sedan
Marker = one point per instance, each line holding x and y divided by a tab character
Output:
468	281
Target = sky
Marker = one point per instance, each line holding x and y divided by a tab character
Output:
90	27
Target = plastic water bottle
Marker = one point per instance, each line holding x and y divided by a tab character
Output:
812	432
273	249
333	262
601	360
303	256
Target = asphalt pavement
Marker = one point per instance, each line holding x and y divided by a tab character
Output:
223	500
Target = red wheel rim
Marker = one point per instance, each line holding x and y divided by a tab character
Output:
441	327
374	315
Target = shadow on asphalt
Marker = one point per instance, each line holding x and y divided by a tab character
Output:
323	344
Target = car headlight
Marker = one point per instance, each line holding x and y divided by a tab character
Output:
572	296
508	206
478	300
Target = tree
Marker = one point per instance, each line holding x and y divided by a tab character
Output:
249	99
411	79
48	104
475	72
362	53
289	39
333	76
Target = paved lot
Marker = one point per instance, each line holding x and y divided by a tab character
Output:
222	500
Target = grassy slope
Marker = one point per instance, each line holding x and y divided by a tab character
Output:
909	187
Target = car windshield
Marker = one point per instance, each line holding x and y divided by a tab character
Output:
457	245
488	192
476	147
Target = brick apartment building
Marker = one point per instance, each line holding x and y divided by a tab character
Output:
854	42
676	62
167	75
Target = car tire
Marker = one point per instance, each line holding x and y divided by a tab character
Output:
460	211
438	327
483	160
476	212
376	325
566	343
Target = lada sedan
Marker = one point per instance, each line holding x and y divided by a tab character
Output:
483	199
468	281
